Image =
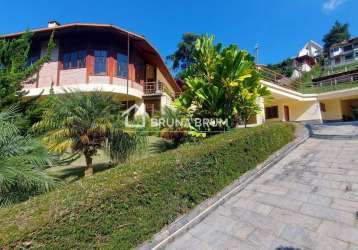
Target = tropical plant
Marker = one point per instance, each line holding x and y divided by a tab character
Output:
16	69
183	56
22	163
338	33
86	122
35	109
174	127
222	84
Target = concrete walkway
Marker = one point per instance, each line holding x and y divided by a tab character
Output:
308	200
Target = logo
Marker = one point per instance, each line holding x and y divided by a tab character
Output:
136	112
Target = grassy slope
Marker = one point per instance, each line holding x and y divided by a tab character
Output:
124	206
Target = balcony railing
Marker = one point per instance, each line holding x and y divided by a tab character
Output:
157	89
278	79
153	88
351	78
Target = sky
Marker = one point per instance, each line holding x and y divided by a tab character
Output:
280	27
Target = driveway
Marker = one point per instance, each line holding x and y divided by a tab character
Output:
308	200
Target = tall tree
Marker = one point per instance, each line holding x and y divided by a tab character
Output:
84	123
338	33
15	69
183	56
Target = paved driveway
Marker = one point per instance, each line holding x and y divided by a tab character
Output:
309	200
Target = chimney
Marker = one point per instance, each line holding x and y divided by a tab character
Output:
53	23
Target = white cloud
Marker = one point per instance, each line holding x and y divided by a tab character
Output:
330	5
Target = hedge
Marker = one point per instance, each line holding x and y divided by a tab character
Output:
126	205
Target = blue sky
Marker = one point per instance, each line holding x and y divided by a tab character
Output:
280	26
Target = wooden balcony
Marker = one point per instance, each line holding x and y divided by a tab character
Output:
153	88
157	89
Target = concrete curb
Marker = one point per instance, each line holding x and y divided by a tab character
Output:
189	220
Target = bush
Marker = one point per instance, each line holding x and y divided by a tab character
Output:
125	206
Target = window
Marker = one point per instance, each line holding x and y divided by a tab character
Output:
271	112
348	57
74	59
33	56
347	48
122	65
31	60
335	49
100	62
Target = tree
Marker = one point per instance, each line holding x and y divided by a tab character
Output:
219	82
85	123
285	67
22	163
36	108
182	57
338	33
14	67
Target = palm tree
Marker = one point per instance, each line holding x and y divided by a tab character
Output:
85	123
22	163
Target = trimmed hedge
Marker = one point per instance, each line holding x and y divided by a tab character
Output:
125	206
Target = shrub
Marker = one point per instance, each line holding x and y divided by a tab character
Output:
125	206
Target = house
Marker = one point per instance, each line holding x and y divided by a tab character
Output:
101	57
343	53
91	57
288	104
306	59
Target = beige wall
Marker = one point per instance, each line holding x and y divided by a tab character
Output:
333	110
305	111
73	76
298	110
48	71
161	78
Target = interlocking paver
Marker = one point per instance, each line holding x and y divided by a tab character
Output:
308	200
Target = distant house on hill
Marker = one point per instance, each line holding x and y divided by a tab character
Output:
306	58
343	53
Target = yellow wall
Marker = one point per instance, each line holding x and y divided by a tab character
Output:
333	110
298	110
304	111
161	78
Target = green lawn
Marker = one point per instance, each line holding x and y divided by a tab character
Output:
124	206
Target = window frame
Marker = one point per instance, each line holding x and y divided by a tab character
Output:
105	56
350	55
120	73
348	47
271	112
71	59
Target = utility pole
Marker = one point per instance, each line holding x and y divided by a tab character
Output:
257	53
128	47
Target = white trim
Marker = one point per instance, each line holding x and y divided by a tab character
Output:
86	87
309	97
